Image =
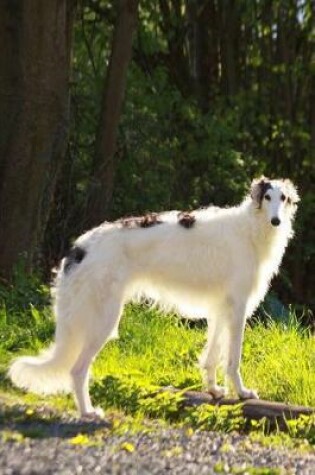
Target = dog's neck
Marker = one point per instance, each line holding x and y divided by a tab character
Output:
269	241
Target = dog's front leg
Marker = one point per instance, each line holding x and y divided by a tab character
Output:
210	359
235	341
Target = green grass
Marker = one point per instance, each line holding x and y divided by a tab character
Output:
156	350
162	350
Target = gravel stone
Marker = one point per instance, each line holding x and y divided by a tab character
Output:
164	451
48	448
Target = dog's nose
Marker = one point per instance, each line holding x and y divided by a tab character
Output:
275	221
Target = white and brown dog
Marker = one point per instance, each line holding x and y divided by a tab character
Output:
213	263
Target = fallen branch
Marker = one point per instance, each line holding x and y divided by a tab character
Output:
276	413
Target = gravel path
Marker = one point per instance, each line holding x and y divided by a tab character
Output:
60	450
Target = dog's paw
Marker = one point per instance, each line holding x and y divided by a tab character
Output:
248	394
217	392
95	413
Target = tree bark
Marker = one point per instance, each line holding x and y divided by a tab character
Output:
104	164
173	26
203	50
229	45
34	93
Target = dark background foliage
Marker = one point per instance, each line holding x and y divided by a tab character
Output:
215	93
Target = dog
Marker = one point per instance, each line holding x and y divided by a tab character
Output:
213	263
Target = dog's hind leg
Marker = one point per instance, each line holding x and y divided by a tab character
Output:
235	337
210	359
80	370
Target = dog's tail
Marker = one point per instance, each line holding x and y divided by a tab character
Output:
50	371
47	373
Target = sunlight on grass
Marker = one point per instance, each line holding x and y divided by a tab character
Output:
159	349
163	350
279	361
156	350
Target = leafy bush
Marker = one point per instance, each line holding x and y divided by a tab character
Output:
25	316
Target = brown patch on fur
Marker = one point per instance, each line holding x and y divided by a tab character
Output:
259	189
146	221
149	220
186	219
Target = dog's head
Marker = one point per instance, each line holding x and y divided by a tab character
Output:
276	198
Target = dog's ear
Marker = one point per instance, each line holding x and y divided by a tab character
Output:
291	192
258	189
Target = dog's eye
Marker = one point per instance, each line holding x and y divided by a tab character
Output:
267	197
282	197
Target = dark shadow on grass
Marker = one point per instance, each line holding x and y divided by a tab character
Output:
45	423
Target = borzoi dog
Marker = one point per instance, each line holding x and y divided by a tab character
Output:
213	263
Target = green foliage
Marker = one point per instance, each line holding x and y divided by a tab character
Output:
25	316
140	398
220	467
226	418
133	395
280	368
176	156
303	427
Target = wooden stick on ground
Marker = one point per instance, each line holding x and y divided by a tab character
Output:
276	413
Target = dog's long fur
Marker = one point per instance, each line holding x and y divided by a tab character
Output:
212	263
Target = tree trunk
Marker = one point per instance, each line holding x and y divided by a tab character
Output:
173	27
229	46
203	50
34	89
104	164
